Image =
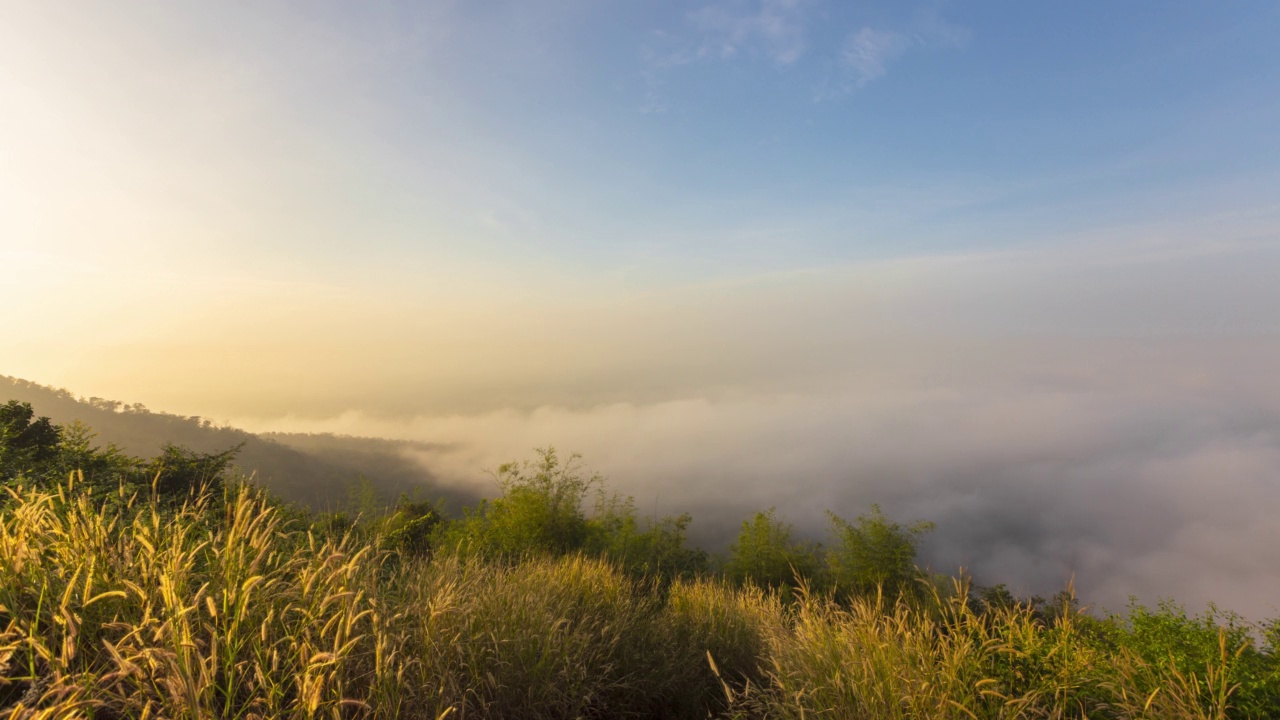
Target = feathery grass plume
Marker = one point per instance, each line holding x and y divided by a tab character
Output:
225	605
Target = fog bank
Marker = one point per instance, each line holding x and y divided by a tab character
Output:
1140	468
1107	409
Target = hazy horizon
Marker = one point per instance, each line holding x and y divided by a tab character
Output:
1011	269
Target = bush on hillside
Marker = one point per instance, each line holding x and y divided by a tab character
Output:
766	554
874	554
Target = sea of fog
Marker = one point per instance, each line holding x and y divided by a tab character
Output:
1147	469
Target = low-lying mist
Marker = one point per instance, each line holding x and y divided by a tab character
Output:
1136	468
1105	410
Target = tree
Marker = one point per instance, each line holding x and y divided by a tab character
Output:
27	445
875	553
766	554
178	470
649	547
102	467
540	510
410	528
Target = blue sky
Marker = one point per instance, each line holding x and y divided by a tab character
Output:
748	134
676	141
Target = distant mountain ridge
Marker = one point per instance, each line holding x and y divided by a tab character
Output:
316	470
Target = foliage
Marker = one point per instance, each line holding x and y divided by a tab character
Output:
410	527
177	471
26	443
766	554
873	553
101	467
539	512
142	609
1189	646
156	589
40	451
310	470
643	547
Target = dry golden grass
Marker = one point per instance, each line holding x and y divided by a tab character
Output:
222	608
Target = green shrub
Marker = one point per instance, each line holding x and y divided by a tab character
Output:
874	554
643	548
539	512
764	553
1190	647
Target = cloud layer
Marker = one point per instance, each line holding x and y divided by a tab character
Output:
1135	448
869	51
1136	468
785	32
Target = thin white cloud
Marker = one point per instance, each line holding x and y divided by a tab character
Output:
774	28
932	30
777	30
869	51
724	30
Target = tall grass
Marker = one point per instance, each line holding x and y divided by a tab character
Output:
223	607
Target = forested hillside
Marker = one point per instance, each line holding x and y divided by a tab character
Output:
317	470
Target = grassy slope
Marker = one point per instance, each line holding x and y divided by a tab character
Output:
228	609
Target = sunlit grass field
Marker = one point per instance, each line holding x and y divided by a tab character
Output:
229	605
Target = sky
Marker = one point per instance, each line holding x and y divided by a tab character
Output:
1007	266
